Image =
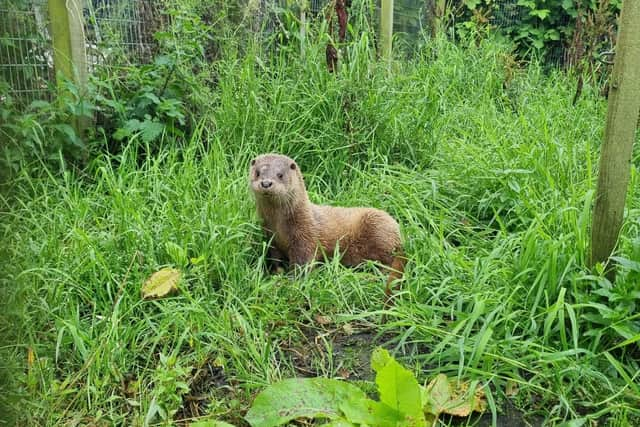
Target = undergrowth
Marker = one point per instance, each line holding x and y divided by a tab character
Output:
489	171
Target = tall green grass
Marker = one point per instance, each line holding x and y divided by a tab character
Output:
491	178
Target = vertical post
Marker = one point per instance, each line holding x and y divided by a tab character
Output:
69	53
303	27
438	13
619	134
386	29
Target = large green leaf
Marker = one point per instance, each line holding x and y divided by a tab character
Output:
313	398
398	388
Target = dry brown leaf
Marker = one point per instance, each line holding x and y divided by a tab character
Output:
438	393
322	320
449	397
344	373
347	328
161	283
511	389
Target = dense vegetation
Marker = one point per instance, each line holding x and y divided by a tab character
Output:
488	167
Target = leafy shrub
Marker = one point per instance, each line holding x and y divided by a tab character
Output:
170	383
544	27
43	130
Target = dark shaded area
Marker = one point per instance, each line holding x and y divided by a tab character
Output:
207	382
509	416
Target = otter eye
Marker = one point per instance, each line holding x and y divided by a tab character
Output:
280	175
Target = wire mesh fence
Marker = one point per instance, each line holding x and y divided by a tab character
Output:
120	33
26	61
116	33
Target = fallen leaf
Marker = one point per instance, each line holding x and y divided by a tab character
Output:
443	395
511	389
344	373
347	328
322	320
161	283
436	395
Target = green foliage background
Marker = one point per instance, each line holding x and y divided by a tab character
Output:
488	166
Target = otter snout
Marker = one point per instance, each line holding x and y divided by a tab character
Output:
266	183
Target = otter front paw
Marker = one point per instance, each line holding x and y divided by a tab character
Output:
275	260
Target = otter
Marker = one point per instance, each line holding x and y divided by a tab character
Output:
301	232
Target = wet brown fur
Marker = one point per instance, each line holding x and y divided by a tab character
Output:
301	231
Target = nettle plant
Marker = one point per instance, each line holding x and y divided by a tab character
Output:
43	130
159	98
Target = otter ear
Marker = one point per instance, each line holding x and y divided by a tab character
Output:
293	166
253	162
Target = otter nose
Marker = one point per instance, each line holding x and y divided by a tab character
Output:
266	183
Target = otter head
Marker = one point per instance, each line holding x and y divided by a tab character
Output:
276	177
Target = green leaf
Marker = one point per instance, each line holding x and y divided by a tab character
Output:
398	387
161	283
472	4
121	134
310	398
379	359
540	13
531	4
152	97
69	133
627	264
151	130
626	330
369	412
552	34
177	253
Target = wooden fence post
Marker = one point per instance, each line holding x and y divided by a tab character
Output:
69	47
386	29
435	14
303	27
619	134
